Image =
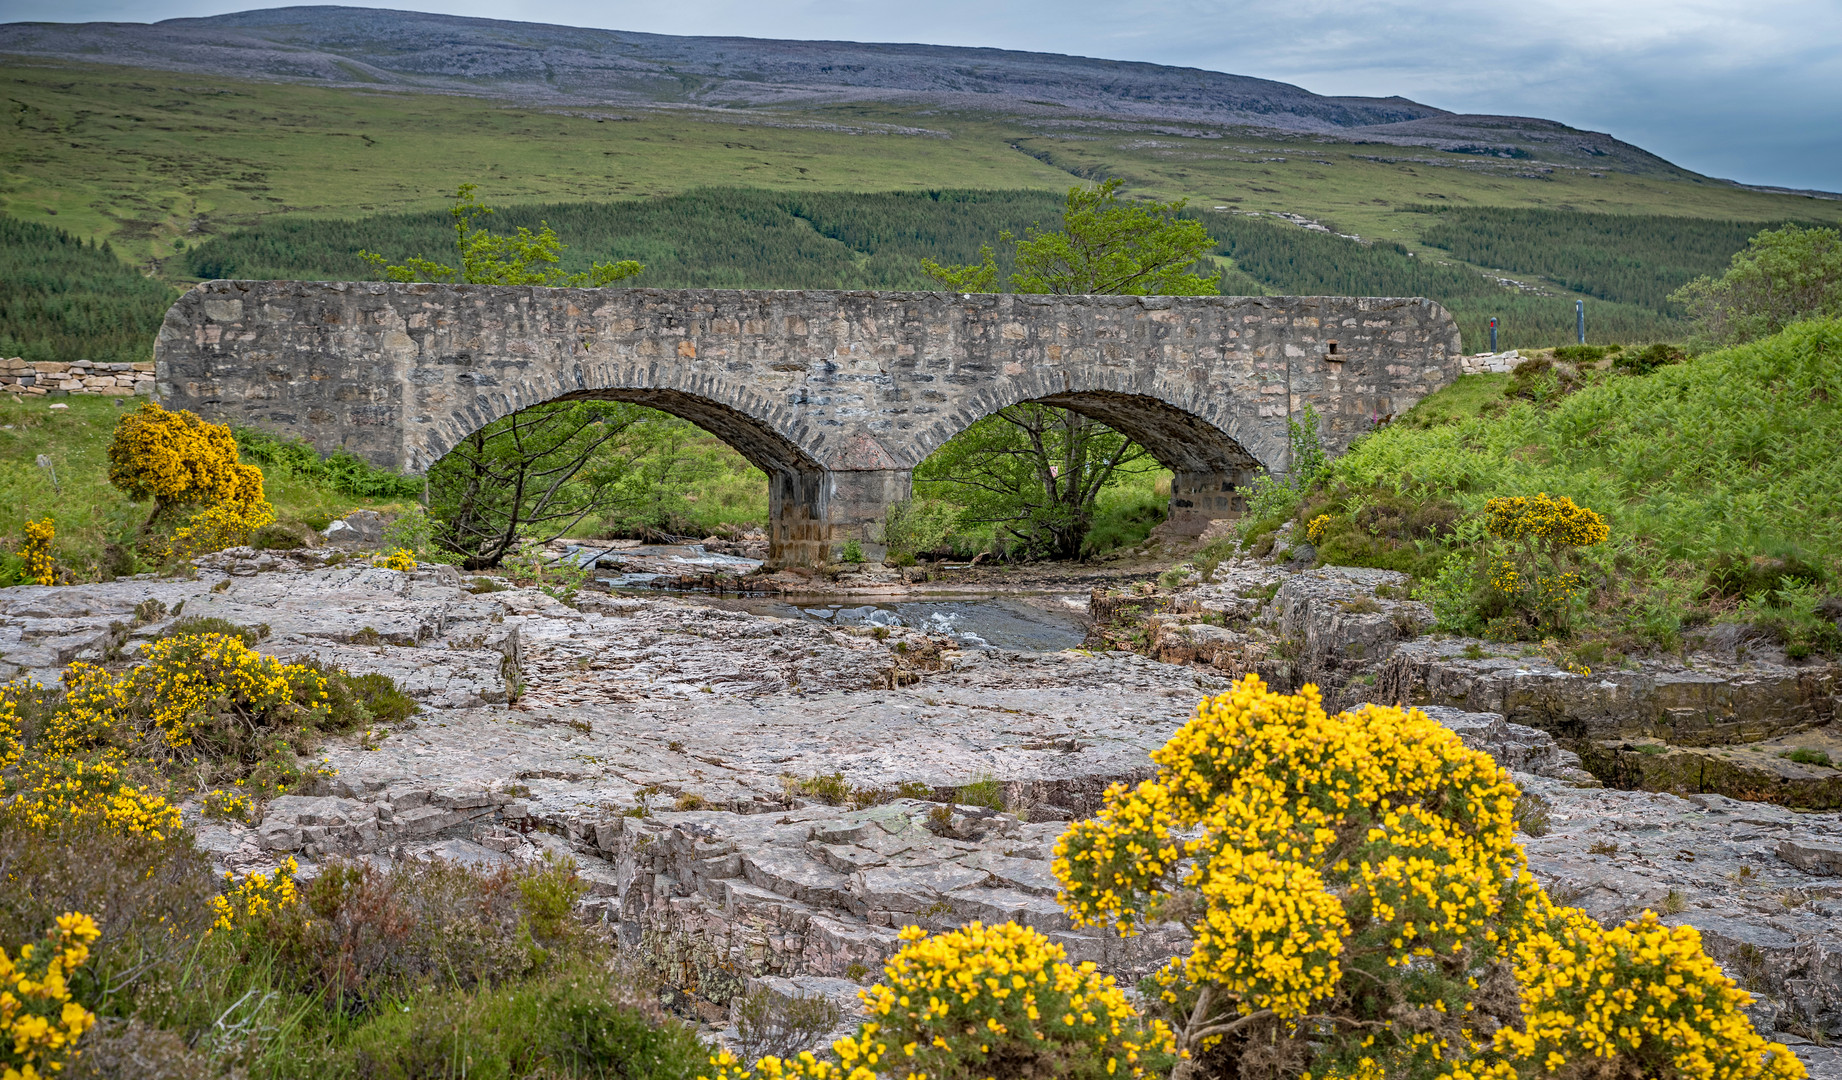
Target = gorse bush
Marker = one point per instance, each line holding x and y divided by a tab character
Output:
998	1001
39	1023
209	694
36	564
176	458
1359	908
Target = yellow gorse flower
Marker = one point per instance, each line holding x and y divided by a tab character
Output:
61	790
218	526
39	1023
400	559
1309	848
256	897
946	1000
1541	517
175	457
185	682
40	568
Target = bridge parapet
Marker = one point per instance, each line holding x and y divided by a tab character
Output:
835	395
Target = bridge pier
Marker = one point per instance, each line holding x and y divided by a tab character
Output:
811	516
1197	498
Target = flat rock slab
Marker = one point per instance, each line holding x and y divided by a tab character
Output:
682	755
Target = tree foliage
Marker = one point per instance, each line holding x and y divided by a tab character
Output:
1034	471
1783	276
64	299
1625	258
1105	247
538	473
486	258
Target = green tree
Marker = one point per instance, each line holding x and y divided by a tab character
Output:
539	473
1784	276
1036	470
486	258
1104	248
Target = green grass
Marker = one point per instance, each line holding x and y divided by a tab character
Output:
1726	460
149	159
1733	451
89	514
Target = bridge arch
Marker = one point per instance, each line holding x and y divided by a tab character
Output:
837	395
795	480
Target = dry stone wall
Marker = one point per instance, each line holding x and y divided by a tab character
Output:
55	379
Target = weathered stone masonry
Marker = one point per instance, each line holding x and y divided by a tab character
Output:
836	395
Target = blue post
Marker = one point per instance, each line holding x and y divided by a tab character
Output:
1579	315
1493	333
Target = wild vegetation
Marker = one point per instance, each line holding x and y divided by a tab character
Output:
1711	475
1360	908
63	298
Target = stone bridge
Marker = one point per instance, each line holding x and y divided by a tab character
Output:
835	395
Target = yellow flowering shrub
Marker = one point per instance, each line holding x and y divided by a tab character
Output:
256	898
1644	994
1531	564
218	526
229	806
978	1001
1317	528
1540	517
175	457
401	559
210	690
39	1023
12	734
40	567
52	791
1354	894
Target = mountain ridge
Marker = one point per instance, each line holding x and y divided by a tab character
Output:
546	64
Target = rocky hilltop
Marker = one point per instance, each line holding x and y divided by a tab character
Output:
759	801
535	63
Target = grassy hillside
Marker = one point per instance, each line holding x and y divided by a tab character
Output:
151	159
1716	475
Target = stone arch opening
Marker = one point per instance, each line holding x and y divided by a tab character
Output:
796	486
1211	468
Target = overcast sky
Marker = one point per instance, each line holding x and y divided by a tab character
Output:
1745	89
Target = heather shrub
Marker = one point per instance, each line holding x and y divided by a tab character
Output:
1359	908
149	895
356	934
582	1020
